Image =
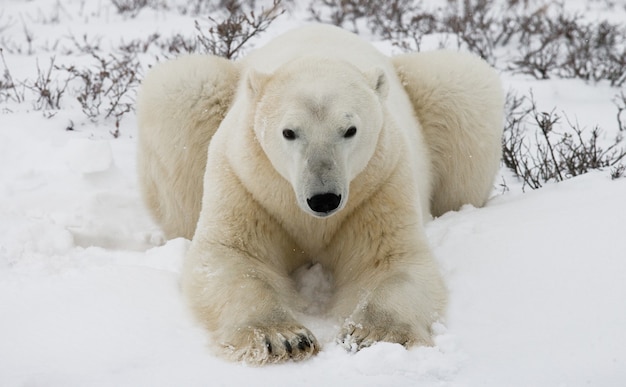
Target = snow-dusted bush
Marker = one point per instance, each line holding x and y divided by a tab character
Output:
538	153
228	34
106	88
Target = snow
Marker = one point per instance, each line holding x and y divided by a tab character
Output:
547	293
89	292
88	156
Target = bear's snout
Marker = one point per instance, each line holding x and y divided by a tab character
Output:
324	203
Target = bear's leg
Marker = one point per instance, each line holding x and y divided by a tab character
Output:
459	102
245	303
399	308
236	274
388	285
180	105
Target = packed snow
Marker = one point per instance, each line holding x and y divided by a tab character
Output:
89	290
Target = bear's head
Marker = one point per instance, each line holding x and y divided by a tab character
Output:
318	121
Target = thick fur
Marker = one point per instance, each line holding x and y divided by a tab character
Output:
180	106
459	102
256	224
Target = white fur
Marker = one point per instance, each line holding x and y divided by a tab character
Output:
459	101
180	105
256	225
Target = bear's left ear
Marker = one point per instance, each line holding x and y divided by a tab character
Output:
378	81
255	81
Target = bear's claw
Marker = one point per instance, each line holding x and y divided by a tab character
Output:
354	337
271	344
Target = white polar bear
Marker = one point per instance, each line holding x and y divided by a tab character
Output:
315	154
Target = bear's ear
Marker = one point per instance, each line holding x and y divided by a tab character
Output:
378	81
255	82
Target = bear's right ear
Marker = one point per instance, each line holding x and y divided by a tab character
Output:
378	81
255	81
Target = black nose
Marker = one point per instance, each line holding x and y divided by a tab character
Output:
324	203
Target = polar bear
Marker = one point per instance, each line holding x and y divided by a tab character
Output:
320	150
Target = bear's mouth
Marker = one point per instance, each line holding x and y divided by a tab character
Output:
324	204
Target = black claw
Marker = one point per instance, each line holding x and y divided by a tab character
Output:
268	345
304	342
288	346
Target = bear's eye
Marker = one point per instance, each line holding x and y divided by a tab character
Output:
350	132
289	134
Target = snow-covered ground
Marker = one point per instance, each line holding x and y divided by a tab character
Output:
89	289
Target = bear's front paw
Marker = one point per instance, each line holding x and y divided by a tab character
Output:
356	336
270	344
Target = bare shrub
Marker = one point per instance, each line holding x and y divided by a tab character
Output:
591	53
129	7
515	145
28	36
8	87
138	46
568	47
479	24
537	153
227	36
179	44
107	88
393	19
618	171
48	89
86	44
197	7
204	7
620	102
551	41
404	23
226	33
580	154
482	25
344	13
